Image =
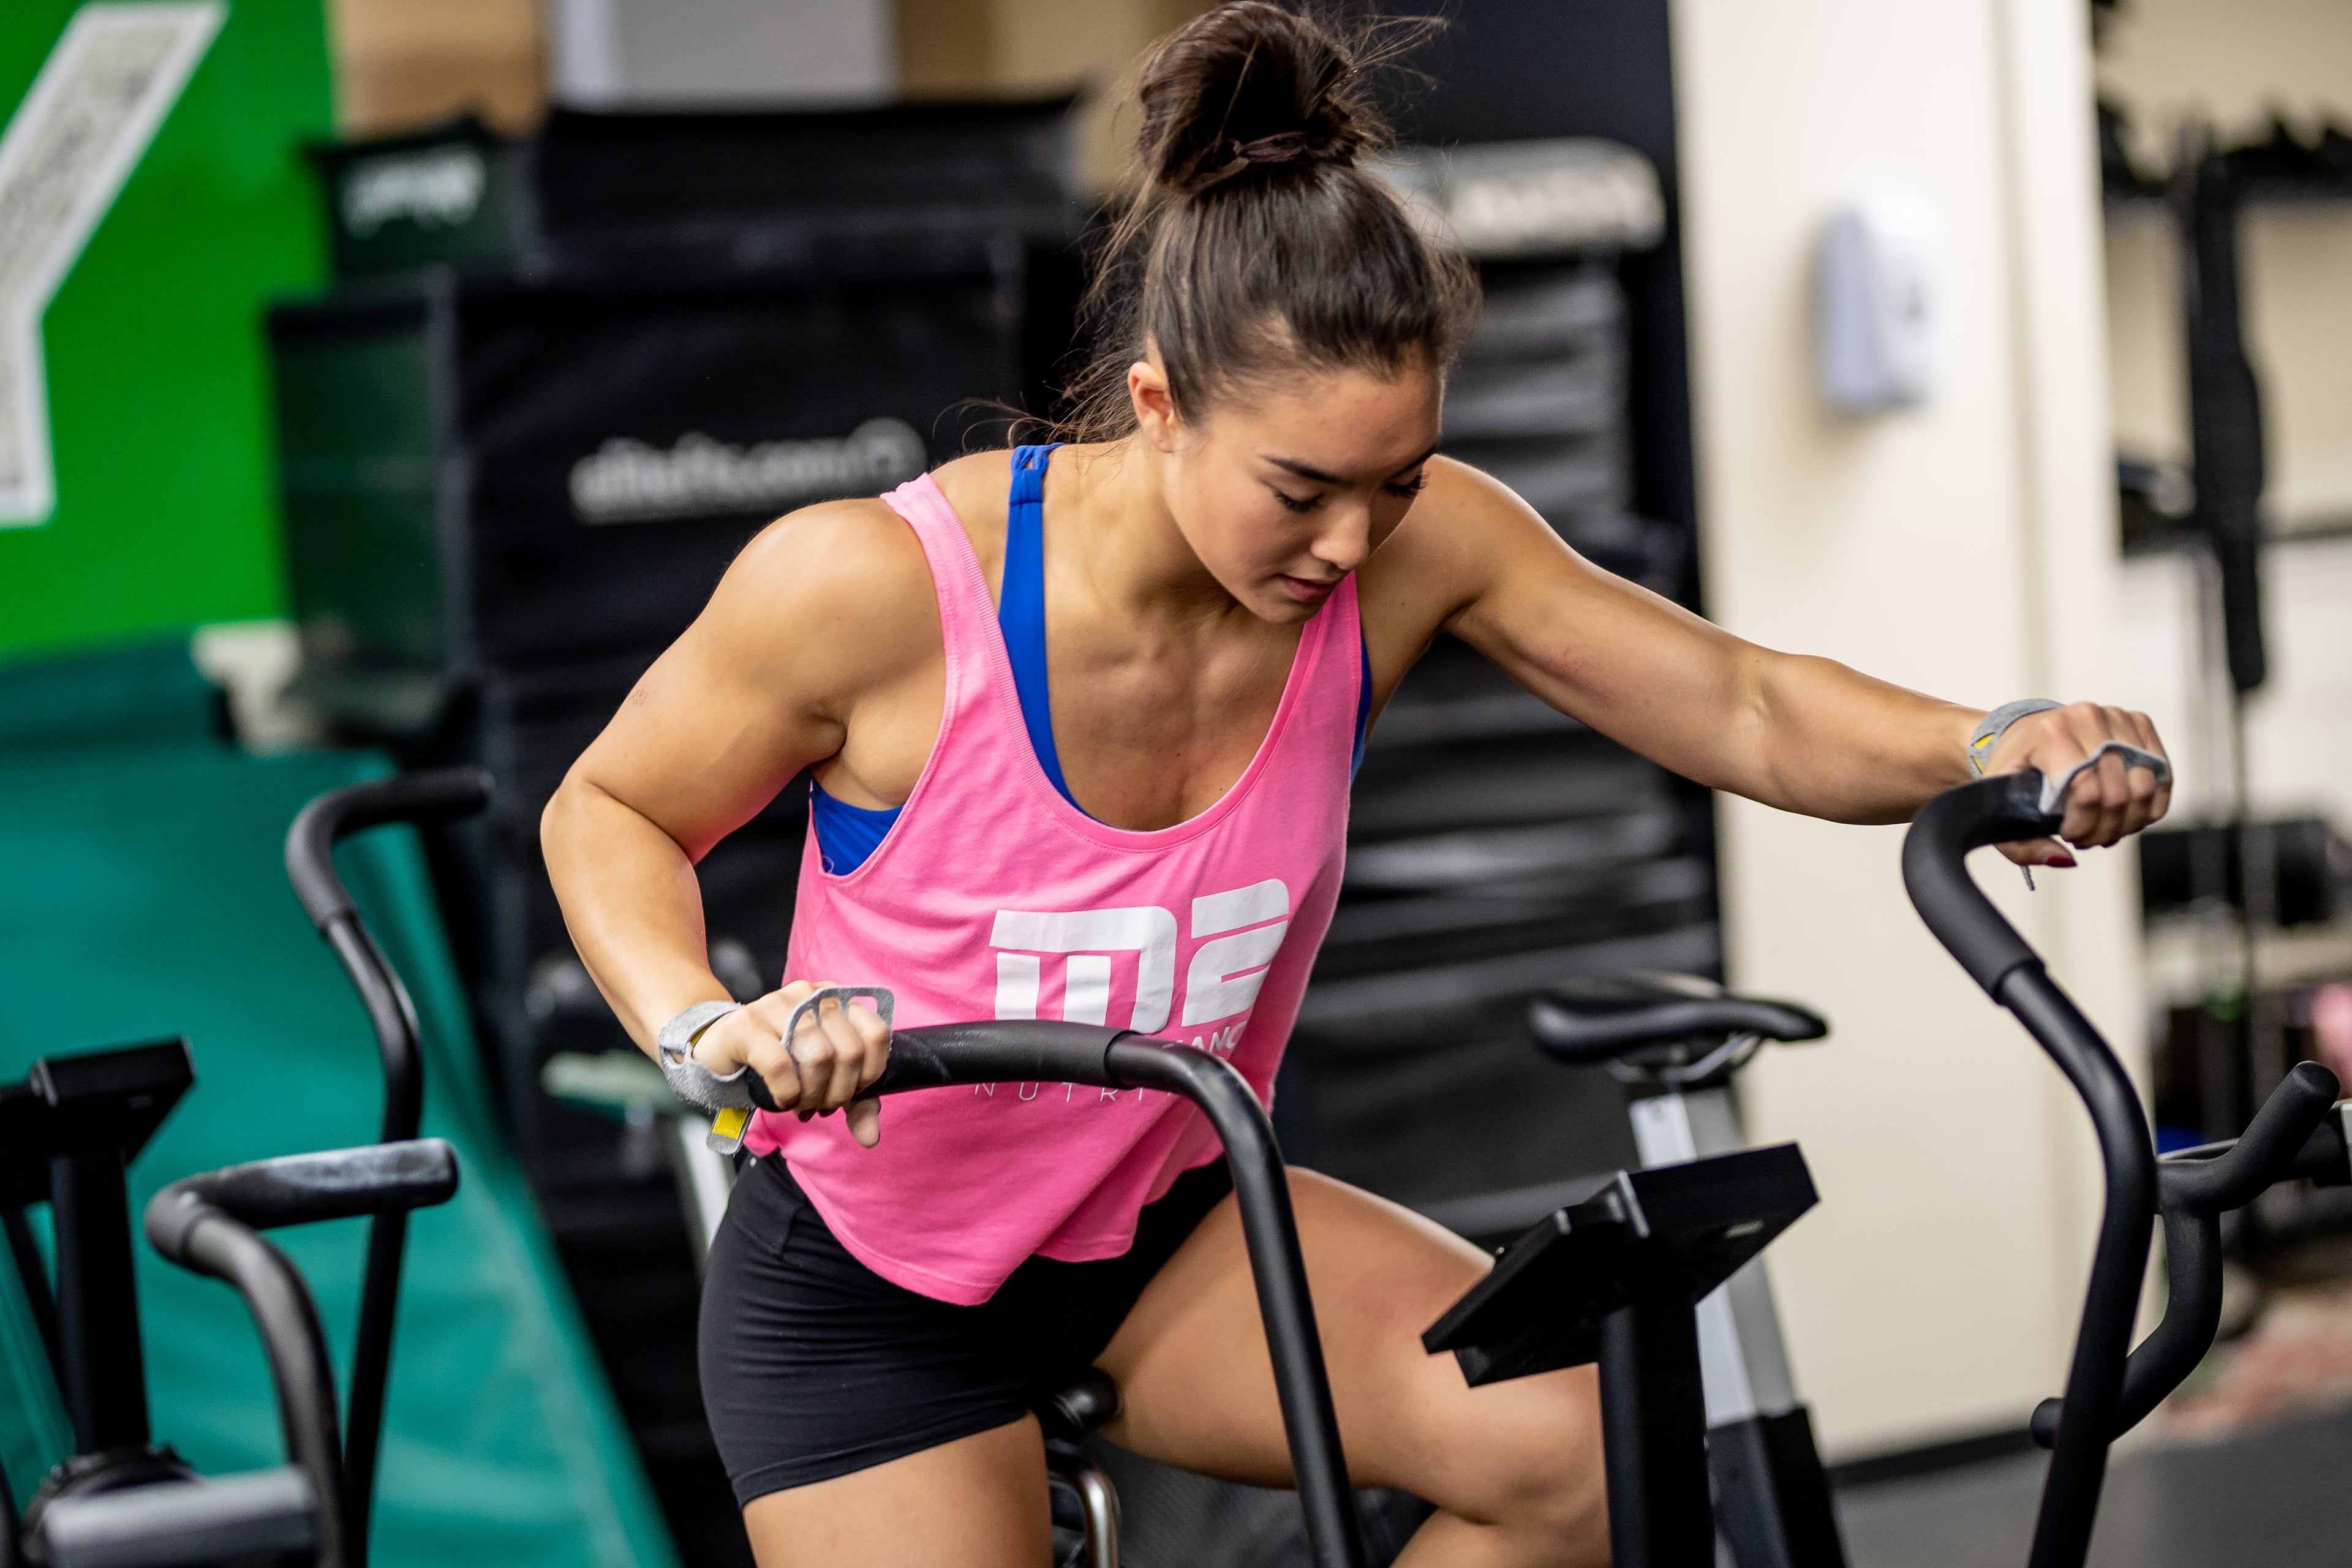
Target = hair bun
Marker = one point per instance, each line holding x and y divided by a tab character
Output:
1250	86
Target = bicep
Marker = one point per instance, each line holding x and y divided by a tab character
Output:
698	750
1631	663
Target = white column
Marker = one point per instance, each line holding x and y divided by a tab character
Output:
1963	548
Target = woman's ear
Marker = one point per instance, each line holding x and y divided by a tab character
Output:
1155	407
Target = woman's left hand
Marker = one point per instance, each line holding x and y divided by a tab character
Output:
2106	803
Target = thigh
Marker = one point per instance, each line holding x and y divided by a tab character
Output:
1191	1363
859	1422
977	1502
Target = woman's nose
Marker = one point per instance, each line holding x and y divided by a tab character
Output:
1345	545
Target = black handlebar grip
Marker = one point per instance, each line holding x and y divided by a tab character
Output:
2197	1188
1935	869
297	1189
1023	1050
446	795
1027	1050
2264	1155
2327	1157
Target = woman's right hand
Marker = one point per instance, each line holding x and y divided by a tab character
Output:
838	1050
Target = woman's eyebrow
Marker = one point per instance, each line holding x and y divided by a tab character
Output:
1309	471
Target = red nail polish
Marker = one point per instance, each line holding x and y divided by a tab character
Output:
2063	861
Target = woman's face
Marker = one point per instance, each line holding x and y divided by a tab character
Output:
1283	492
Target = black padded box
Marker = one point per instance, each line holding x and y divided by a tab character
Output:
481	475
670	194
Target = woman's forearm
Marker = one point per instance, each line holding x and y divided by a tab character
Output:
1833	743
631	904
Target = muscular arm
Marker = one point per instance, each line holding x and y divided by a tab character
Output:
1801	734
827	612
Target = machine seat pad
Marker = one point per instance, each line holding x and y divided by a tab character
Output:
1599	1020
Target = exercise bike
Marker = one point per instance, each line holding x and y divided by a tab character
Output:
123	1500
1618	1278
67	1134
1677	1042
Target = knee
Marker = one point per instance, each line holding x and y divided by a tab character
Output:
1558	1506
1544	1483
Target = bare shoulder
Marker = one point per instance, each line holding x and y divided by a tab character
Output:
977	481
978	486
1459	501
840	593
1464	527
860	545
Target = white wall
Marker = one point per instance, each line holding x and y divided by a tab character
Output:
2234	61
1965	549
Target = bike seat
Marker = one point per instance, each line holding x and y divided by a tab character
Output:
1601	1020
1070	1410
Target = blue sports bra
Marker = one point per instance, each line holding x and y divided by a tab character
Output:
847	835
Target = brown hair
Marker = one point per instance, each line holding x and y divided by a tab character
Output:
1252	243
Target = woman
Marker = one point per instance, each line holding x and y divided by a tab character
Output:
1081	722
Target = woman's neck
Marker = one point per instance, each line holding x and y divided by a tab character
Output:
1114	508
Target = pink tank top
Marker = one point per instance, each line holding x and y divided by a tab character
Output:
993	897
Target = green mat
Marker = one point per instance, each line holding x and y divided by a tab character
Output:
143	896
141	693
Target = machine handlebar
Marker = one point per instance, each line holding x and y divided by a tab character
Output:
1995	811
1998	810
1041	1050
211	1224
446	795
2224	1176
299	1189
2292	1135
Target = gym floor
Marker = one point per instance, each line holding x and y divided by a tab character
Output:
2259	1497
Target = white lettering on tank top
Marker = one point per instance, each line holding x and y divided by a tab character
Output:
1246	927
1088	937
1225	974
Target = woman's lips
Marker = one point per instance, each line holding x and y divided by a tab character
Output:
1306	592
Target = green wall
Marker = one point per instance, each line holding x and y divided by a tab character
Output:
158	391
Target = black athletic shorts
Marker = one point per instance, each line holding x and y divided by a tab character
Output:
815	1367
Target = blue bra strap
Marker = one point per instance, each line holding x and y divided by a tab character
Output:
1021	617
1363	704
1021	605
847	835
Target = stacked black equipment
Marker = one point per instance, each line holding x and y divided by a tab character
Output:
2242	876
559	384
1495	847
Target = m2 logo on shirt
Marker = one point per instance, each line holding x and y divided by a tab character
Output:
1244	928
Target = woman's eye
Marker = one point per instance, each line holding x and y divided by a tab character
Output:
1296	503
1407	491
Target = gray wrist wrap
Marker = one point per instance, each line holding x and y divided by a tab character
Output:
689	1080
1988	730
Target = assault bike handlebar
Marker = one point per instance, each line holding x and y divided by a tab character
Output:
447	796
2000	810
2293	1136
1050	1051
210	1224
